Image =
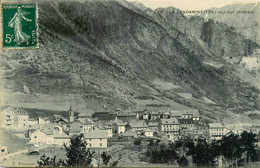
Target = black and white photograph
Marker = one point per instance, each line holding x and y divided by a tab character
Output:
130	83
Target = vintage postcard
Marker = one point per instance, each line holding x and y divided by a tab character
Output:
130	83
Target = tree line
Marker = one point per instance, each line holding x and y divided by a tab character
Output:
231	150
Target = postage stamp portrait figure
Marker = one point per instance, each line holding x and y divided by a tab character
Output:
19	25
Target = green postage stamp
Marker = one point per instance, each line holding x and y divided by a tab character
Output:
19	26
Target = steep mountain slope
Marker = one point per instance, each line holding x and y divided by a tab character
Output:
110	53
242	16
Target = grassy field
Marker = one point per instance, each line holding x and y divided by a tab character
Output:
13	143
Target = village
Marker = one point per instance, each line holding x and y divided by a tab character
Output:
104	130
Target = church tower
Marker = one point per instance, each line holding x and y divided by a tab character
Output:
71	114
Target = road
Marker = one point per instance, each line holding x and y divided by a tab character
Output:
13	154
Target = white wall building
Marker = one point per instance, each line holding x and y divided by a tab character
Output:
217	131
49	134
169	126
96	138
14	118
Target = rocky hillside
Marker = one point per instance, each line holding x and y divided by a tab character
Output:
108	54
242	16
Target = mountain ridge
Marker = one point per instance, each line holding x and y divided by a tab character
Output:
108	53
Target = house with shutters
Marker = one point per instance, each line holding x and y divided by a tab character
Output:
49	134
188	125
139	112
170	126
63	122
96	138
217	131
153	125
14	118
191	114
155	115
119	127
88	124
44	134
166	115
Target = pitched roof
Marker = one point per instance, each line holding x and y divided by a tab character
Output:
85	121
149	130
153	124
193	112
76	127
10	109
107	127
118	109
137	124
155	113
146	112
34	127
176	113
166	113
60	135
60	119
169	121
119	122
129	133
95	134
45	118
47	128
230	133
19	111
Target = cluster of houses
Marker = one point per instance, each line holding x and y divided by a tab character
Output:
218	130
98	127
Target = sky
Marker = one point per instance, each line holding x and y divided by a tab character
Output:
190	4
